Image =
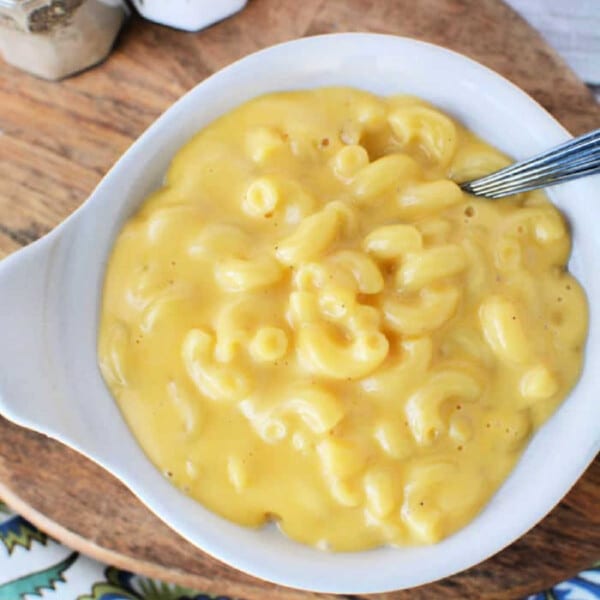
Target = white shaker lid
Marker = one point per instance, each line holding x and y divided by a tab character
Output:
189	15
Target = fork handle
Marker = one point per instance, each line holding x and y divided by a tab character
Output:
576	158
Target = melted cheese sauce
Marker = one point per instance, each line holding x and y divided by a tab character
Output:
311	323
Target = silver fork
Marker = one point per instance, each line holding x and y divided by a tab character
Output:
576	158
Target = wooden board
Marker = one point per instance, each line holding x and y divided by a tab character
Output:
59	139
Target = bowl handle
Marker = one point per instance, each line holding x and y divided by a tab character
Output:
29	392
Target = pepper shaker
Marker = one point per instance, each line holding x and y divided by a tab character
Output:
56	38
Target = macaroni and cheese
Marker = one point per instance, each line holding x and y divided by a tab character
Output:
311	323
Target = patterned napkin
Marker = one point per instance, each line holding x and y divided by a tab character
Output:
32	565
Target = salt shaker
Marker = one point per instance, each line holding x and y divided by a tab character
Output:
56	38
190	15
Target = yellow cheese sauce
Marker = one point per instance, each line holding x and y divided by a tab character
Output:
310	322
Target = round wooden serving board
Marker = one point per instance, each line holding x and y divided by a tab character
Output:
59	139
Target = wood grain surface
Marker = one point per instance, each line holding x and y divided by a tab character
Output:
58	140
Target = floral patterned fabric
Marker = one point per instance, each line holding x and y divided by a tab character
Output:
32	565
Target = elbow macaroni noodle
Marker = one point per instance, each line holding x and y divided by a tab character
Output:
311	323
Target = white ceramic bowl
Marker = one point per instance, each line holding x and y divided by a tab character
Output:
51	293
